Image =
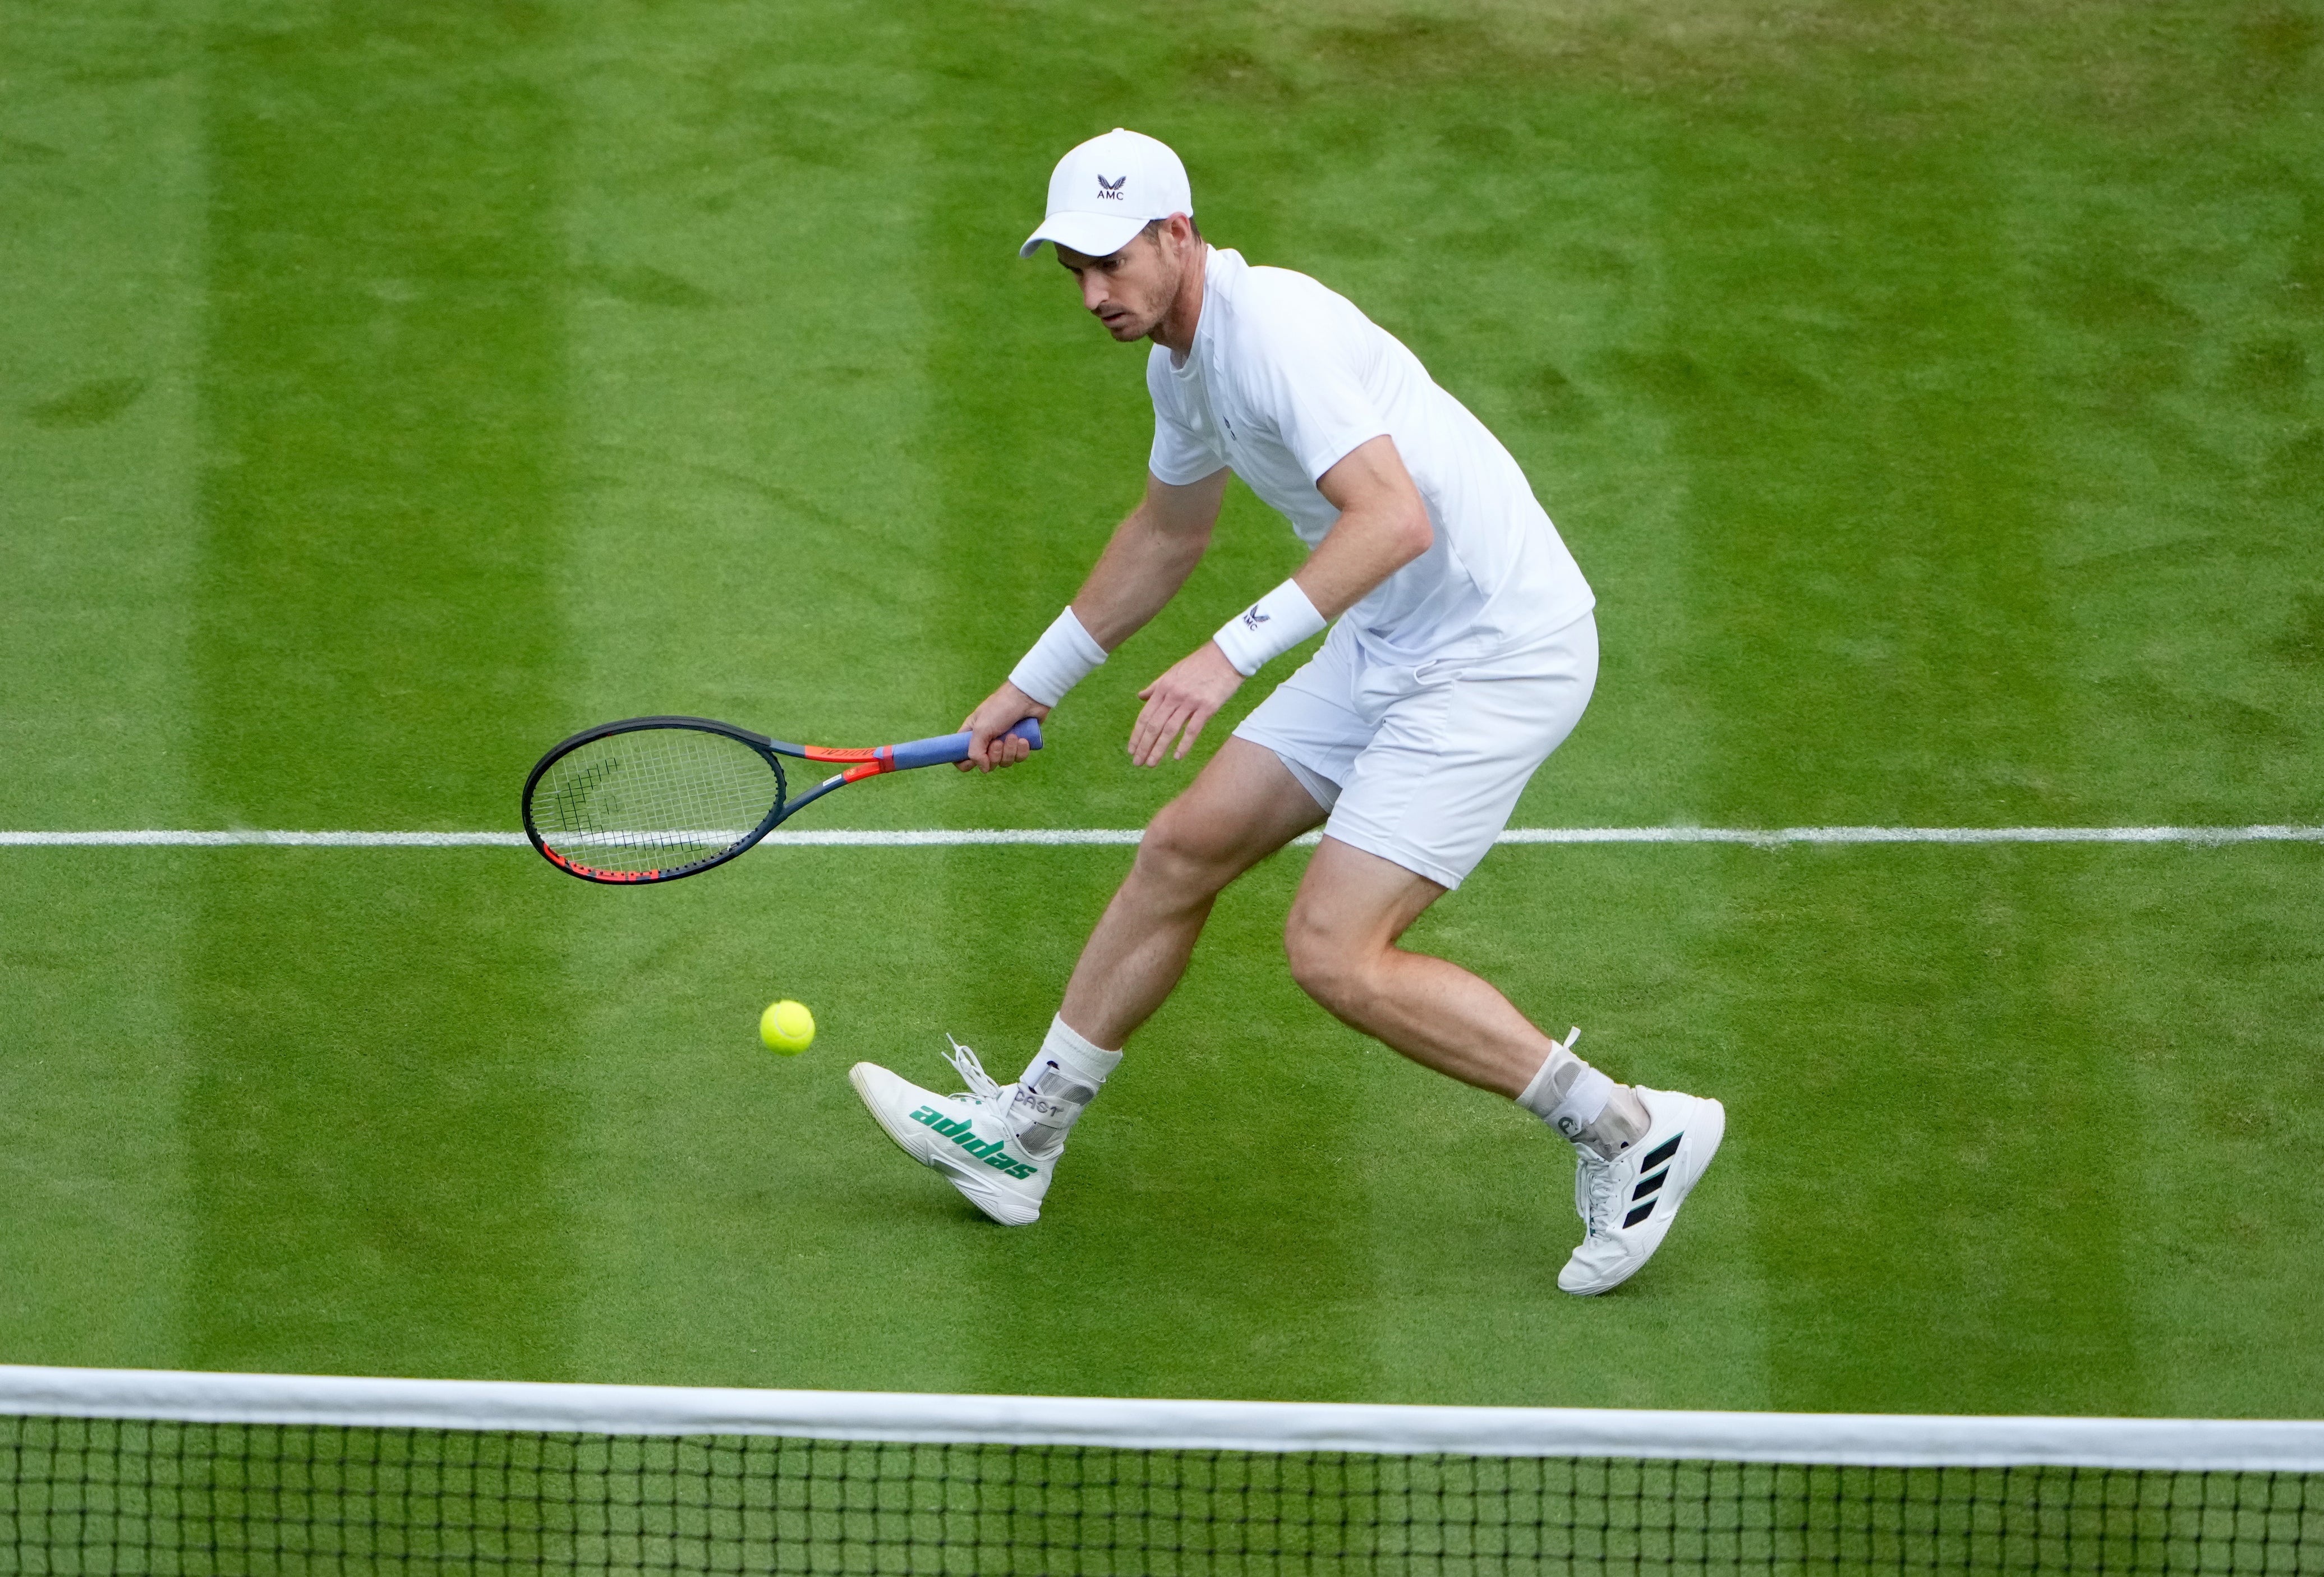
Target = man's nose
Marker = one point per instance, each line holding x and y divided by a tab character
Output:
1094	290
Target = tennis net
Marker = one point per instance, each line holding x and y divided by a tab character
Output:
107	1470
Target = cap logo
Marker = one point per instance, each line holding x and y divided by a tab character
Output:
1111	188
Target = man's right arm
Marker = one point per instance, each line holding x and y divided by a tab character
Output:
1149	556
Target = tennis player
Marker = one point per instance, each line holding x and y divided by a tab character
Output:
1463	649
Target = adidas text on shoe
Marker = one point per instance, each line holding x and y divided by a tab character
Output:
968	1138
1628	1203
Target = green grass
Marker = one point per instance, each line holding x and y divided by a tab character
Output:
1932	395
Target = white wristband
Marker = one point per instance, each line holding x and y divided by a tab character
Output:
1268	628
1062	659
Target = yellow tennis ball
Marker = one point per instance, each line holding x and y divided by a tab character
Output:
787	1027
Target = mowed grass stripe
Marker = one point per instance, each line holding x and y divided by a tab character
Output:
1854	372
100	148
368	1117
751	515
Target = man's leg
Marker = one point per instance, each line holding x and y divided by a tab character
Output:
998	1144
1641	1152
1342	936
1242	807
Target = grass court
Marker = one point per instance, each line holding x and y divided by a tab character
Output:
1934	394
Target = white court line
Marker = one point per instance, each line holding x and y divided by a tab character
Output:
211	840
922	837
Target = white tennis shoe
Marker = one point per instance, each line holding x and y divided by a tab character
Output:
969	1138
1628	1203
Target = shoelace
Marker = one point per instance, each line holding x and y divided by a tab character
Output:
1598	1190
982	1085
1601	1192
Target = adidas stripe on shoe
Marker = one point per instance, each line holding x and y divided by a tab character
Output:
1628	1203
968	1137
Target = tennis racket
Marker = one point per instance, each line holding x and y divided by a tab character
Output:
655	798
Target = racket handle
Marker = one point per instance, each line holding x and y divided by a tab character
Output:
954	747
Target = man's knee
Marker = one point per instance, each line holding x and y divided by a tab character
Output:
1181	854
1330	965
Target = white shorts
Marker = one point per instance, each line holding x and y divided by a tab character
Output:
1423	765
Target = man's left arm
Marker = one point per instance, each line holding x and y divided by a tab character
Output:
1383	526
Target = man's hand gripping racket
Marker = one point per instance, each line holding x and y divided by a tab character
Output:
655	798
995	730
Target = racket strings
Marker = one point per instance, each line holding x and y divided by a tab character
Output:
654	799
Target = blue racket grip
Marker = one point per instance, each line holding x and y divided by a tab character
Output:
954	747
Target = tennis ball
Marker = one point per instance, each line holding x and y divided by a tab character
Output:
787	1027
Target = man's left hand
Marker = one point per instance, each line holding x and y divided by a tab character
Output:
1180	702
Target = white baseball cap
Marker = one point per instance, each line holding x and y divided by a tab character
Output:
1108	189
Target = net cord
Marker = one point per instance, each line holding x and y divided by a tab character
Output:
1869	1440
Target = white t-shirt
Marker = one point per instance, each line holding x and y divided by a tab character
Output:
1285	379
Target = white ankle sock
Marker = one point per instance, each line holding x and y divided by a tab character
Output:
1567	1093
1063	1078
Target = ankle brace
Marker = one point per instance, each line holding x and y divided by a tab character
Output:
1614	1130
1567	1093
1060	1081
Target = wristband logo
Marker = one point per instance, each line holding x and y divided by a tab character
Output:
1111	190
1252	618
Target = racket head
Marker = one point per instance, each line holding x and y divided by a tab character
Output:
652	798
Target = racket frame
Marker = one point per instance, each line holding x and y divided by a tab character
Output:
854	764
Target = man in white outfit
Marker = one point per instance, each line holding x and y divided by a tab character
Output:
1462	650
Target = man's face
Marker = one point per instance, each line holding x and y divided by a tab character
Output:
1130	289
